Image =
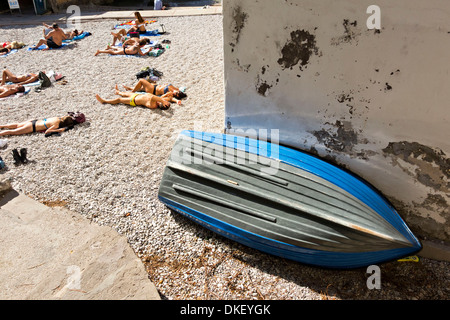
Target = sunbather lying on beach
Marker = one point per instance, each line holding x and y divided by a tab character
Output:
131	48
9	76
121	36
52	39
6	47
48	126
133	99
4	50
69	35
159	90
7	90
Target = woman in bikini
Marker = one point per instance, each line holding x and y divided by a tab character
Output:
139	27
133	99
9	76
139	24
131	48
48	126
158	90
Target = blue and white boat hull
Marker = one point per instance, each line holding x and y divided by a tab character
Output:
282	201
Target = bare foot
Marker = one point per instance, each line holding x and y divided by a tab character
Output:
127	88
96	54
99	99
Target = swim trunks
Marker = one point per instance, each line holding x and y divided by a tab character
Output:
132	102
33	124
52	44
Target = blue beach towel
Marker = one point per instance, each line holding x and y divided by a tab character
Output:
31	84
79	37
42	47
151	33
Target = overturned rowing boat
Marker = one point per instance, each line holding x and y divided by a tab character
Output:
282	201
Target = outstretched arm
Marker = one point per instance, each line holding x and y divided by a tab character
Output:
54	129
169	97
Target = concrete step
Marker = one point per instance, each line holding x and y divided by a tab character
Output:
53	253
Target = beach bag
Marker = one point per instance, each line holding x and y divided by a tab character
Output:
156	52
44	80
149	73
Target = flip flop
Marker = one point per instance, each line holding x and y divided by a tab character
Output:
16	156
23	155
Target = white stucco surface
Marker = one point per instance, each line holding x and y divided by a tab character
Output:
373	101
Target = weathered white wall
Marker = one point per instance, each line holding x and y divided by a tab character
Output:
375	102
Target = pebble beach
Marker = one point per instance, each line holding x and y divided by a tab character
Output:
108	169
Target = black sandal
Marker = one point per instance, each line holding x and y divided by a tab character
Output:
23	155
16	156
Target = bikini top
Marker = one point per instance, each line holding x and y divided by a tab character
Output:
45	124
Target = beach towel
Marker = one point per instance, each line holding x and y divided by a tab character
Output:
11	52
79	37
132	23
42	47
148	33
52	75
32	84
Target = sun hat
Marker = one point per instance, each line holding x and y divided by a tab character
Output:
78	117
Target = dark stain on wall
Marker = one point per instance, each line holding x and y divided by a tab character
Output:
262	88
298	50
425	226
351	32
432	166
343	140
239	20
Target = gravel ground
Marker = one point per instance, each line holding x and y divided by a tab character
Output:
109	170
